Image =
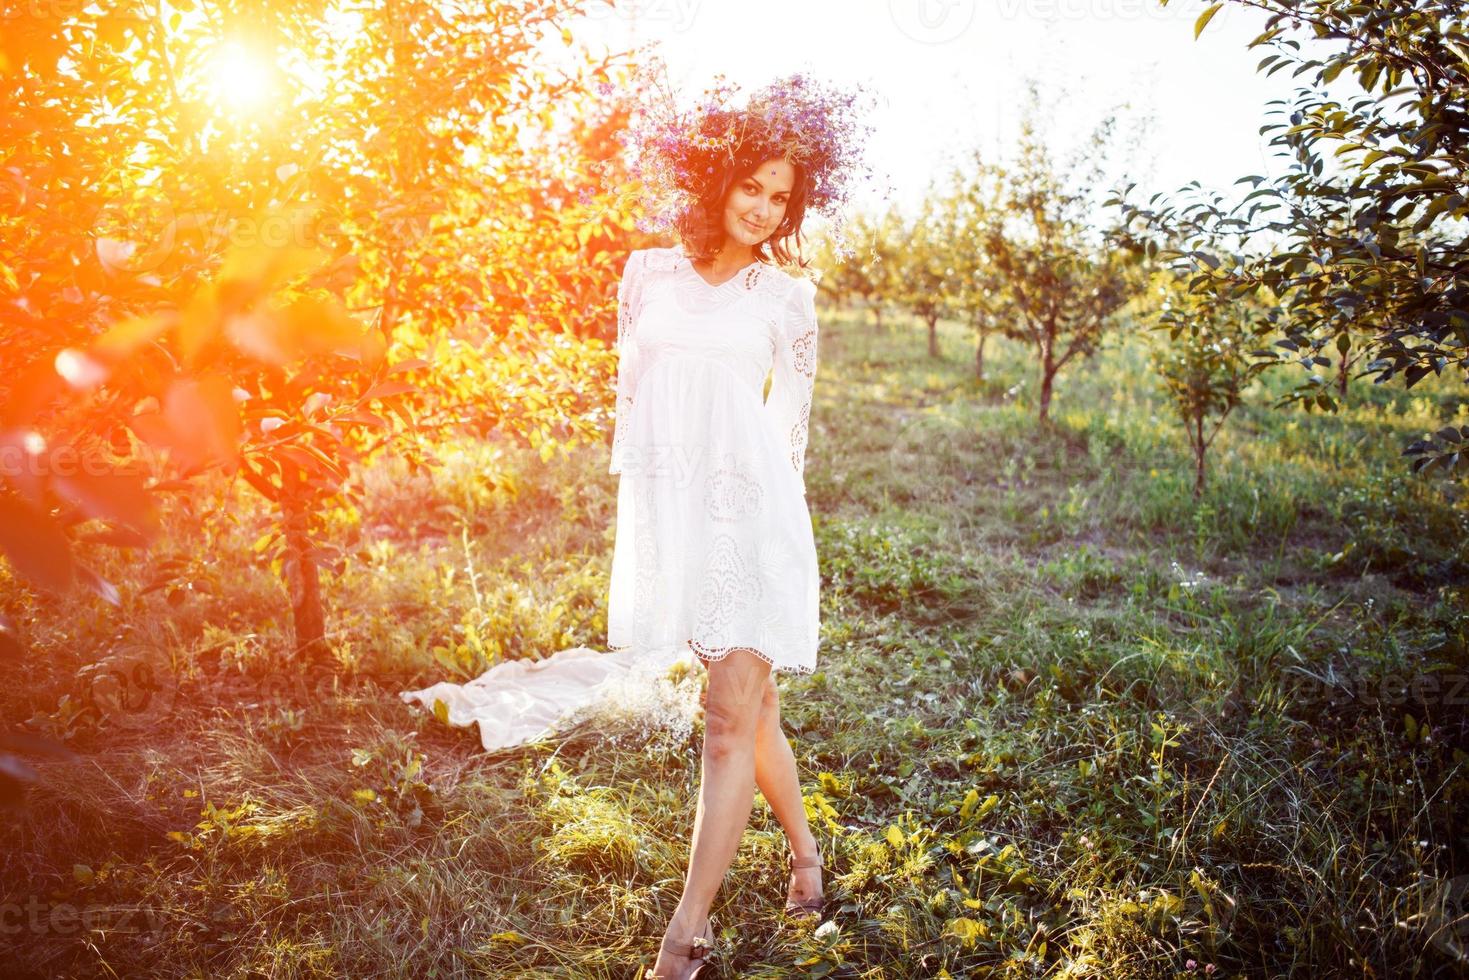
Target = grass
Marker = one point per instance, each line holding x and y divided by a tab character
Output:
1068	721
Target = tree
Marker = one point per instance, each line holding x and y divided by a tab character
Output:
923	274
277	294
978	293
1366	246
867	274
1046	264
1205	366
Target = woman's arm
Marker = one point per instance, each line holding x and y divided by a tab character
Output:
793	377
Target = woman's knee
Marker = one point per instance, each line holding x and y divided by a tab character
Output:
724	720
734	701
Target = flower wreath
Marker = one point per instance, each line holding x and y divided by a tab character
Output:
678	156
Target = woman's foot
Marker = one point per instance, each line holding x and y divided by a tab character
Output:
804	897
683	950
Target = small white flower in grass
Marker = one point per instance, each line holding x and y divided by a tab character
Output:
1189	580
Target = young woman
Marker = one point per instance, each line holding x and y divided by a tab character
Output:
714	547
714	552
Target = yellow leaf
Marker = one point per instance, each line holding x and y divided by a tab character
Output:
198	324
129	334
966	809
968	930
1204	19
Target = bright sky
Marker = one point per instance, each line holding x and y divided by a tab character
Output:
950	73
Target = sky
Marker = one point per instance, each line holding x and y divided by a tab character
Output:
950	75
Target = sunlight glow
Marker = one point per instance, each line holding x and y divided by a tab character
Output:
239	79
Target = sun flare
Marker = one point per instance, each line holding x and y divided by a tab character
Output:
239	78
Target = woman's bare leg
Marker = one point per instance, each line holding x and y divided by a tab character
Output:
776	775
726	793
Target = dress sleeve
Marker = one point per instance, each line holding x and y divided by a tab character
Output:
793	376
629	304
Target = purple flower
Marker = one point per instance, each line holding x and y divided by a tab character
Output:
677	154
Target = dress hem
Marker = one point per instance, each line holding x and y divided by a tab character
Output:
710	655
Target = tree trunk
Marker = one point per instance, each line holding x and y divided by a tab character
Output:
1200	454
933	337
1048	379
979	356
307	619
1342	376
877	318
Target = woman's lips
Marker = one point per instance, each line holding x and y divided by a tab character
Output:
750	226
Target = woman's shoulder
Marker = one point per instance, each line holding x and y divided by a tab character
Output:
657	259
796	283
785	281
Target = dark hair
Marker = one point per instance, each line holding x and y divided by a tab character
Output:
701	226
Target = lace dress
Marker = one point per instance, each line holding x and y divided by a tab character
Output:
714	547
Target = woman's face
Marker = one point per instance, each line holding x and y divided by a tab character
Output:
757	203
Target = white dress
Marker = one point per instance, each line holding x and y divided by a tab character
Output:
714	548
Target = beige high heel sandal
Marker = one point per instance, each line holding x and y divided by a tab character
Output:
697	949
810	906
